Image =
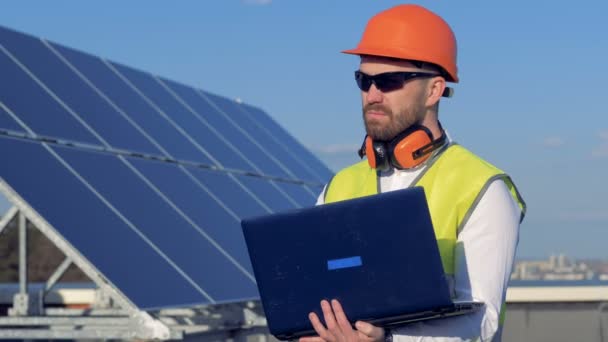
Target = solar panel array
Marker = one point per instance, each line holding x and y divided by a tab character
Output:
146	177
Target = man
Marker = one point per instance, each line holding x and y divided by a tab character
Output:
407	55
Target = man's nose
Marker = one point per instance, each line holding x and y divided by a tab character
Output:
374	95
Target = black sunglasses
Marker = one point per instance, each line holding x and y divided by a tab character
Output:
388	81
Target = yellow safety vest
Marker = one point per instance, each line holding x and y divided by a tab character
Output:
454	182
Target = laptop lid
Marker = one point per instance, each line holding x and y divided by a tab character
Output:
377	255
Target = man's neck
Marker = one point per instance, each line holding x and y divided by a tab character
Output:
433	125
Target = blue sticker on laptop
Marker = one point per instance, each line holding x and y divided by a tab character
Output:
337	264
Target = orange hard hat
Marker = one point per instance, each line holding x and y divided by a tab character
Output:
410	32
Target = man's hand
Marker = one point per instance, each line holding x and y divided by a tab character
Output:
339	328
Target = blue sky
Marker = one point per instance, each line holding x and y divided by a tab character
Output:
531	97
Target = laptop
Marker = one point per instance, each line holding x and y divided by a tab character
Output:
377	255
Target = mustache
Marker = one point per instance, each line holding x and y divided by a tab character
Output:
377	108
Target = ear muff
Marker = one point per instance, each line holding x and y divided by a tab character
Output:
377	153
407	150
369	152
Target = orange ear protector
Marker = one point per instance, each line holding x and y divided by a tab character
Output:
407	150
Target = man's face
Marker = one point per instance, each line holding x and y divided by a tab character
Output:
386	114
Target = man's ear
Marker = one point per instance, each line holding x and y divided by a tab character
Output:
436	87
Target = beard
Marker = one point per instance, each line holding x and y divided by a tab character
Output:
386	131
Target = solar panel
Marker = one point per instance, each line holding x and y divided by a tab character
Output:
212	113
28	99
156	128
7	122
268	192
190	121
78	97
200	210
303	195
211	258
287	142
272	164
226	187
265	140
146	177
114	246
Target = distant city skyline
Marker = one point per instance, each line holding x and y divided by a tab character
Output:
532	80
560	268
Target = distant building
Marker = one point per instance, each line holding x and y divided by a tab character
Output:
559	267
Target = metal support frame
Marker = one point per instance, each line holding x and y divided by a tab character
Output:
7	218
218	321
59	272
23	304
113	315
122	319
22	255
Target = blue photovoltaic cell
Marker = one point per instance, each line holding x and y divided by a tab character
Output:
134	105
219	121
225	186
266	123
197	204
266	192
76	94
298	193
188	120
269	146
89	225
163	225
33	105
7	122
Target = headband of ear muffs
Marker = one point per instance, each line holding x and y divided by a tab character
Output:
407	150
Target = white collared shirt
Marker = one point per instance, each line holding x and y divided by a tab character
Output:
483	261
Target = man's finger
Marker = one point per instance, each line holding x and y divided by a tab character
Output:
328	314
319	328
372	331
341	317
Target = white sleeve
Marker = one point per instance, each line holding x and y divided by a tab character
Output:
321	198
484	256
